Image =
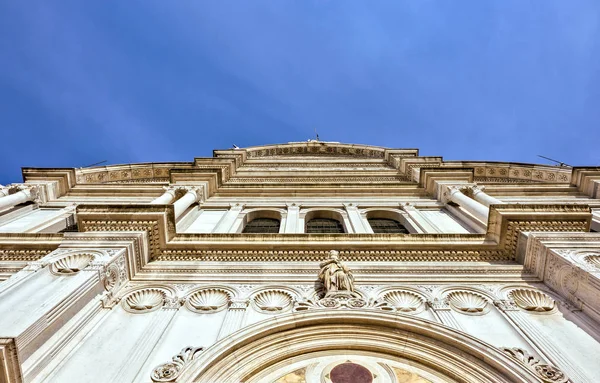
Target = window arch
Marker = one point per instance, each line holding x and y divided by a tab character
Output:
324	226
268	221
387	225
389	221
262	226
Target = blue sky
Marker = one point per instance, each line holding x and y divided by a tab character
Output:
136	81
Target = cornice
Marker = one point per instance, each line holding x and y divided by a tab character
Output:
497	245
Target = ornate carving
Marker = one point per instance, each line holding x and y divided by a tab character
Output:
403	301
111	276
532	300
208	300
467	302
439	304
546	372
170	371
506	305
273	301
146	300
71	264
593	259
342	300
335	276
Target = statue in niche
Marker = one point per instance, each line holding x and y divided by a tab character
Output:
335	276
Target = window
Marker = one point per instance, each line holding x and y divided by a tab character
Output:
262	225
385	225
324	226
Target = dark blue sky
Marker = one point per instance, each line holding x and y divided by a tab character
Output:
135	81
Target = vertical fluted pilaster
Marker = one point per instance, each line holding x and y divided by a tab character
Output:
234	319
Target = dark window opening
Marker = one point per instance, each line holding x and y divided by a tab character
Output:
70	225
262	225
384	225
324	226
70	229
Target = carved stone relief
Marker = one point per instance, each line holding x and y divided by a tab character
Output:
208	300
272	301
545	372
170	371
467	302
71	264
404	301
532	300
145	300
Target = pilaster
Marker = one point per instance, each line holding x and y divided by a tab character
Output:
234	319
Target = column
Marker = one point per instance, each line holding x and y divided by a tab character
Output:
166	198
26	193
225	224
292	222
193	195
355	219
480	196
442	311
454	194
234	320
538	340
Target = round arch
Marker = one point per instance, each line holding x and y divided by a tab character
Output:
390	213
251	214
245	354
329	213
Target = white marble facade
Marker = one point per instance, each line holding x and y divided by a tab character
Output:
149	272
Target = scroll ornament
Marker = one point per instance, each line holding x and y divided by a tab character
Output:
170	371
546	372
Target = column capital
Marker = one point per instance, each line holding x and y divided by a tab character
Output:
449	190
239	304
198	191
506	305
408	206
239	206
292	205
439	305
350	205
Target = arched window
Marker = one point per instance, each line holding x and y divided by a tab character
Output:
324	226
386	225
262	225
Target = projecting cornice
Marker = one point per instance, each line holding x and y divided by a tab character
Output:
301	166
497	245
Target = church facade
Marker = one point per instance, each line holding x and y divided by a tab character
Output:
306	262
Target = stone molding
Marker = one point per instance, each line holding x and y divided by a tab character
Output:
448	350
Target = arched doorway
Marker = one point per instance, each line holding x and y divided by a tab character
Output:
260	352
